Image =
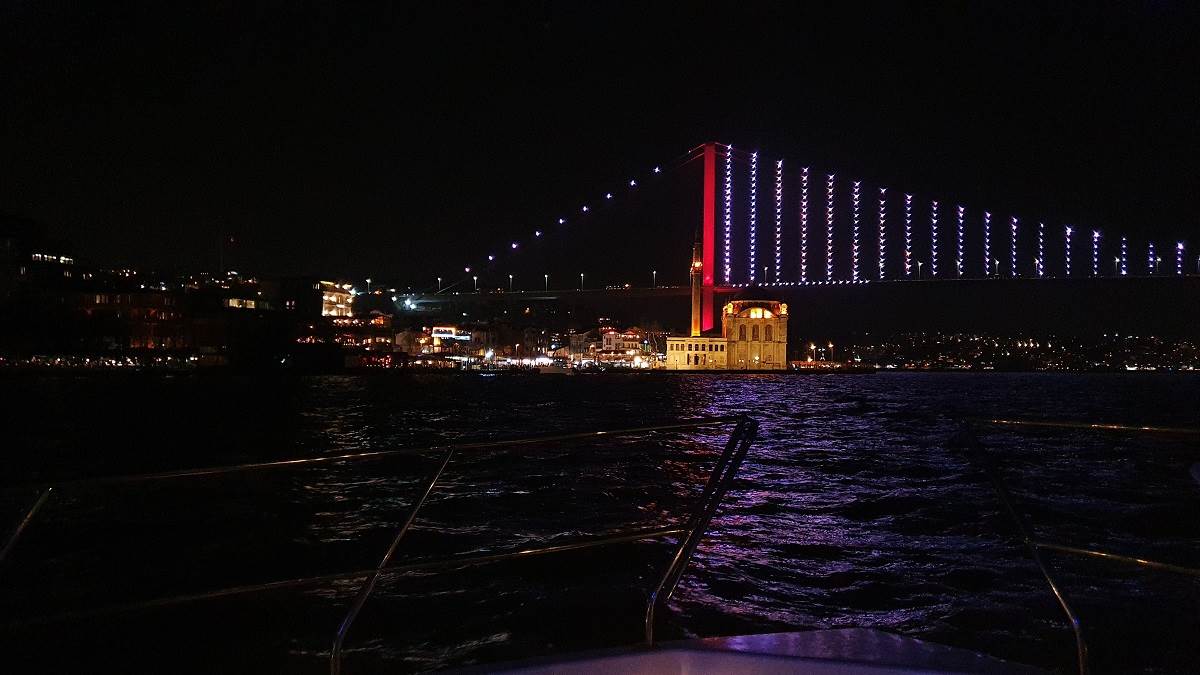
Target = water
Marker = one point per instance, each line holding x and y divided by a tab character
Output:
855	508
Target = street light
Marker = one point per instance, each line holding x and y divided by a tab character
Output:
830	351
997	262
546	277
510	283
476	283
581	281
919	264
764	277
368	285
654	279
1116	262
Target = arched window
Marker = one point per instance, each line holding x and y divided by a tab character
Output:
754	334
767	334
742	332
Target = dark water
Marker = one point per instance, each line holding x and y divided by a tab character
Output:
855	508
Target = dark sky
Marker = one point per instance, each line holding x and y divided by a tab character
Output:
400	141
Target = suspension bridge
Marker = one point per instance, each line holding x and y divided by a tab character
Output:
775	223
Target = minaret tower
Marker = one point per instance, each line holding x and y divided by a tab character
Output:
697	278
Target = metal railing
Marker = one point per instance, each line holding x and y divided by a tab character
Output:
741	436
1034	546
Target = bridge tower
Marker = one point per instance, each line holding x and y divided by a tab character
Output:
697	274
708	239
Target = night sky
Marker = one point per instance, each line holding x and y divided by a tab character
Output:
396	142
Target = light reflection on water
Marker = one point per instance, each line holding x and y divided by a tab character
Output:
853	508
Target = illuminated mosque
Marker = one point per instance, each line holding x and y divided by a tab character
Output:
753	334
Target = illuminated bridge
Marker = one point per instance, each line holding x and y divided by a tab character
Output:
839	246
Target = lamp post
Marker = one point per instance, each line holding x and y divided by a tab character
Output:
581	281
919	264
546	278
510	283
996	262
1116	263
830	351
368	285
654	279
439	284
476	283
764	275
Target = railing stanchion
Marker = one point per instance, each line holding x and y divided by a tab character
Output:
335	655
12	540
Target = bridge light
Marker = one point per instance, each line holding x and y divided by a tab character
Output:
1124	256
804	225
958	259
1067	257
778	219
933	241
987	243
1012	247
753	213
1151	266
1041	254
1179	258
1095	253
908	235
882	231
728	214
829	227
854	214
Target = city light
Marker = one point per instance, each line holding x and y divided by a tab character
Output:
728	214
933	241
491	257
537	233
958	261
987	242
514	245
1012	248
1067	256
882	231
753	213
608	195
657	170
1179	258
633	183
1095	253
778	220
467	270
1041	254
804	225
585	208
1124	256
829	227
562	221
1151	259
855	197
908	235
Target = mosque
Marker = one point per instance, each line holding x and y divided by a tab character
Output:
753	334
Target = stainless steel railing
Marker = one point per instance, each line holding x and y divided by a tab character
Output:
1035	546
741	436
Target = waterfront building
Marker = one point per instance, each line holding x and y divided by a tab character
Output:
753	333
